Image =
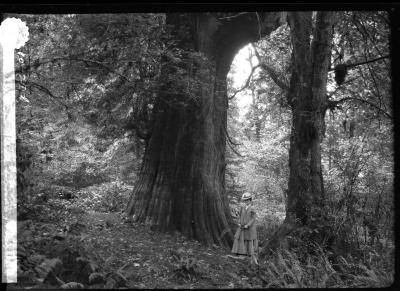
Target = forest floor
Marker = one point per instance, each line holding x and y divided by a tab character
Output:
156	260
70	243
143	258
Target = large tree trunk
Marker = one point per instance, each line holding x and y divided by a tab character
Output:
307	96
181	185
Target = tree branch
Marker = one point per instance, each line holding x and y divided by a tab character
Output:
233	16
245	84
37	63
333	103
271	71
231	143
356	19
101	65
340	87
43	89
362	63
233	149
274	76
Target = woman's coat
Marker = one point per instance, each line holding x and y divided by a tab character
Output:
247	216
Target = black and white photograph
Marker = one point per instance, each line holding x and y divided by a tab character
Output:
210	149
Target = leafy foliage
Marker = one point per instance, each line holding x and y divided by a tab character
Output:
107	197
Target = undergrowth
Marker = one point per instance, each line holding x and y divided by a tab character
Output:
106	197
293	269
327	252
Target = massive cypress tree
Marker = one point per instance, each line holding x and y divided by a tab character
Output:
181	183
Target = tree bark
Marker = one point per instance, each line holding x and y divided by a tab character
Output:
181	185
307	96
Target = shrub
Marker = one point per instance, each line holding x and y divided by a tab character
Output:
86	174
106	197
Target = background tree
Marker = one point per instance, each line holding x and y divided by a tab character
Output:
307	97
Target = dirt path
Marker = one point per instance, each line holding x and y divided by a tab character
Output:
148	259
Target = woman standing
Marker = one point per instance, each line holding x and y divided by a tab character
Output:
246	242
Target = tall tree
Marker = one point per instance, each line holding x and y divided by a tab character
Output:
181	183
307	96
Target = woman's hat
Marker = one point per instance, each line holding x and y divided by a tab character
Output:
246	196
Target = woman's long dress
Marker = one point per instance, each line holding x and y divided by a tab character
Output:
246	242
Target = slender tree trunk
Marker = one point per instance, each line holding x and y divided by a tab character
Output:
182	181
256	122
307	97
